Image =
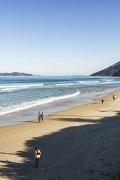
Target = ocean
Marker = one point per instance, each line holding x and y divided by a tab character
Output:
21	97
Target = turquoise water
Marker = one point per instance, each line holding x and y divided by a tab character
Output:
26	94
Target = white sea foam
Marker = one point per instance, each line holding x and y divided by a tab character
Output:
98	94
64	84
18	87
109	80
88	82
27	105
106	81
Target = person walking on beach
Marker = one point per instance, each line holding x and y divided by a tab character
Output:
114	97
37	156
102	101
42	116
39	116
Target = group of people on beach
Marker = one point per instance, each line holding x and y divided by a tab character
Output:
114	98
37	151
40	116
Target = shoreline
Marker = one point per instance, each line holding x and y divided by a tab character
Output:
48	109
84	138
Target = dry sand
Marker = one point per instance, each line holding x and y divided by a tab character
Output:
81	143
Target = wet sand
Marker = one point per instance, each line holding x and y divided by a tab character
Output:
81	143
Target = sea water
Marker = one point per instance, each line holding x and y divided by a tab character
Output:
21	97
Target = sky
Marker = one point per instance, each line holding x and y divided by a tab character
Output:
59	37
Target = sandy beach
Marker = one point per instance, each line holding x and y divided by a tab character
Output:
81	143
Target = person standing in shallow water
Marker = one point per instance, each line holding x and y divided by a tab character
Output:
37	156
42	116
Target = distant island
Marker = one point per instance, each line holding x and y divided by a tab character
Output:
113	70
15	74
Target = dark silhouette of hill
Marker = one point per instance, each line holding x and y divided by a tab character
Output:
113	70
15	74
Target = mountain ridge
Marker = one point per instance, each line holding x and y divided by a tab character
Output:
113	70
15	74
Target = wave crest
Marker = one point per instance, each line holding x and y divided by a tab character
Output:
27	105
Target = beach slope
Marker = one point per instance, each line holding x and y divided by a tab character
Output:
80	143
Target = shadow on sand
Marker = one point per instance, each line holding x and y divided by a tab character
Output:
89	152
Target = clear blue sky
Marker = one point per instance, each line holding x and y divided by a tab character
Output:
59	37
